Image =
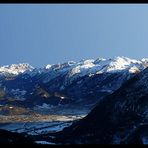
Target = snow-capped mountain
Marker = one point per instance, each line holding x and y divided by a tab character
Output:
16	69
100	65
84	83
116	89
83	67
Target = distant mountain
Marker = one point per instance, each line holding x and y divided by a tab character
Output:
82	68
15	69
79	84
120	118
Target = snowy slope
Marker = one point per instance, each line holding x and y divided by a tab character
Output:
100	65
74	70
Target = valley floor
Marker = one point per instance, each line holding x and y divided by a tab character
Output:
37	125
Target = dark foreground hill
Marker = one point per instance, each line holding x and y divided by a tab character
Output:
7	137
121	117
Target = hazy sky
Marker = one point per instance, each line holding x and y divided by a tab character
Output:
51	33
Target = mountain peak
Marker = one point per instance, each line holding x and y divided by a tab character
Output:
16	68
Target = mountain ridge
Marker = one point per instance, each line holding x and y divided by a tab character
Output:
116	63
80	84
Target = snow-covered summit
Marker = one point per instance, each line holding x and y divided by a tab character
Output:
102	65
81	68
16	68
60	66
123	63
73	70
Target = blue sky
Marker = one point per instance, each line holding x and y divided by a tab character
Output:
53	33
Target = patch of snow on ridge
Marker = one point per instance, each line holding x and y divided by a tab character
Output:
44	142
44	106
145	140
48	66
144	60
60	66
82	67
19	94
134	69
